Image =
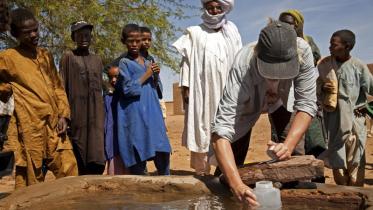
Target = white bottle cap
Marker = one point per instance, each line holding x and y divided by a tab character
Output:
263	185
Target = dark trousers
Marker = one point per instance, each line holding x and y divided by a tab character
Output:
239	148
279	122
4	123
87	168
161	162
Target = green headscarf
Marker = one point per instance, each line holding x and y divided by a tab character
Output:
298	16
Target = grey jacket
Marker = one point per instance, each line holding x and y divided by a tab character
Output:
244	94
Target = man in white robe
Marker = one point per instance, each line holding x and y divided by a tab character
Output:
207	51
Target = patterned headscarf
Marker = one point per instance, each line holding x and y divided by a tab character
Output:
217	21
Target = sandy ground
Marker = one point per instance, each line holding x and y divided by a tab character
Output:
180	159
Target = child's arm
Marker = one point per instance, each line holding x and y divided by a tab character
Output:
149	72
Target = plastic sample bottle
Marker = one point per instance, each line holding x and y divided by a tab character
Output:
267	196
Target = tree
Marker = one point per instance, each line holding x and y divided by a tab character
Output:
108	18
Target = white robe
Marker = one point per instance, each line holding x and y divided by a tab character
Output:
207	57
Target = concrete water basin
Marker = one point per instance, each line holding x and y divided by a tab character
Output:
173	192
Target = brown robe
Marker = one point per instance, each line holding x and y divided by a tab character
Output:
83	84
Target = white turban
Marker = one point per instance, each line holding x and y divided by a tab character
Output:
217	21
226	4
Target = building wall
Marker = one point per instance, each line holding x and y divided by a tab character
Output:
178	101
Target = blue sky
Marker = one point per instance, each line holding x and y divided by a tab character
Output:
322	18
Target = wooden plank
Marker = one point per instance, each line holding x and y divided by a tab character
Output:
297	168
333	201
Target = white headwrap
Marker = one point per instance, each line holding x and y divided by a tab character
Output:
217	21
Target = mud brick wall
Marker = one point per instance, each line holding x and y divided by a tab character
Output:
178	101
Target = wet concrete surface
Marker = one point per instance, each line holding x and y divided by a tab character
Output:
176	192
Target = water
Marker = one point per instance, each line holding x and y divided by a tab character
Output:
120	202
109	201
